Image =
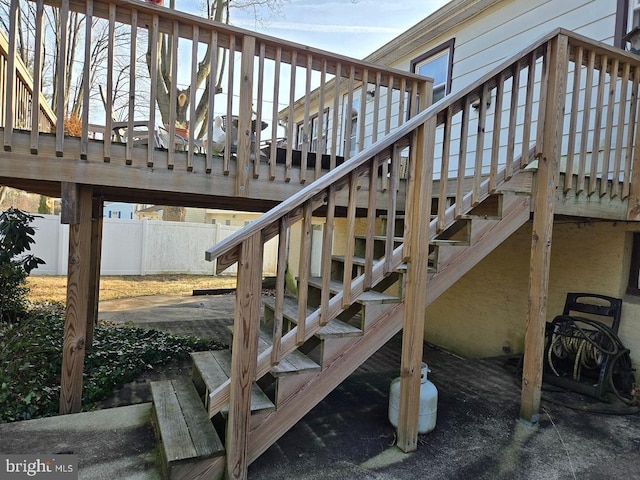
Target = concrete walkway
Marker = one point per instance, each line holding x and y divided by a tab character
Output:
347	436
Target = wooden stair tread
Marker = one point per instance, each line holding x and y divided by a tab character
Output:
214	368
335	328
370	296
294	363
182	422
380	238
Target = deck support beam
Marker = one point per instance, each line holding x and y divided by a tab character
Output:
77	211
94	274
419	202
244	353
546	181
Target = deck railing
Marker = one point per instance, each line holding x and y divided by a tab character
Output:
21	85
476	139
261	80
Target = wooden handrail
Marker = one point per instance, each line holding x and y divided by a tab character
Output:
26	82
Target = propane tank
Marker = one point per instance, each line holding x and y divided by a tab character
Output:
428	402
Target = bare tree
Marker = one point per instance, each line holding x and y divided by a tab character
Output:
218	10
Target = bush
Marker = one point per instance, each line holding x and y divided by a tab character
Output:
16	238
31	361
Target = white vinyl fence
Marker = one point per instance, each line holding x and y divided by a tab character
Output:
141	247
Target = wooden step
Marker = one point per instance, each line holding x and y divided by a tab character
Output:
335	328
211	369
368	297
188	440
293	364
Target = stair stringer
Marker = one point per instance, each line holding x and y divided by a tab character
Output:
355	352
455	262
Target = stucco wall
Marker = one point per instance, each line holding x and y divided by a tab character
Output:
487	308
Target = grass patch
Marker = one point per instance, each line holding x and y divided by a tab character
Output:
46	288
31	359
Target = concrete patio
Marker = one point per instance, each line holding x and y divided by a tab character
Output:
348	436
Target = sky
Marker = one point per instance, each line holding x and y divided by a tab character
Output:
349	27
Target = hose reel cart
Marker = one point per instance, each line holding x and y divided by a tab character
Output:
584	354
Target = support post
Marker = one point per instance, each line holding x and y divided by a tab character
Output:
419	201
78	294
546	181
244	351
94	274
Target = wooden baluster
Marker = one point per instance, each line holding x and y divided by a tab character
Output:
497	130
544	90
622	108
351	232
573	120
320	144
10	105
371	222
362	111
257	141
327	252
349	114
528	106
211	114
274	115
291	121
631	135
387	120
61	69
283	249
586	115
401	101
462	157
192	96
173	97
613	79
306	126
595	149
513	118
229	118
37	83
394	179
109	115
444	171
336	111
477	172
246	111
303	271
132	89
155	46
376	107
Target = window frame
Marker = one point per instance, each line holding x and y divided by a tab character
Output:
633	285
448	46
313	120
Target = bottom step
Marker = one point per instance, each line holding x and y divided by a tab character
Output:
189	443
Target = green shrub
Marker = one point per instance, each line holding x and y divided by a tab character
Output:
31	361
16	238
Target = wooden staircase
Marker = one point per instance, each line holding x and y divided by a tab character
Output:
305	376
398	254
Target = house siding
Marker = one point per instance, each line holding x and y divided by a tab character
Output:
592	257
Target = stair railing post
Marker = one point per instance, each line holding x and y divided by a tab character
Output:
244	351
419	204
546	180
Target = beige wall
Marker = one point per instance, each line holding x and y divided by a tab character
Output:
487	308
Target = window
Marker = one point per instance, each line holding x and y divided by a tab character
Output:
437	63
633	287
627	18
315	145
